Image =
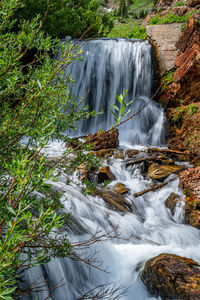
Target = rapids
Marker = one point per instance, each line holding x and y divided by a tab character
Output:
108	67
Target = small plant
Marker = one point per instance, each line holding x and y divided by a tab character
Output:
167	79
183	27
123	110
106	183
191	109
179	3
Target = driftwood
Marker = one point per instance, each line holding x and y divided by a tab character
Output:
161	150
139	160
115	200
152	188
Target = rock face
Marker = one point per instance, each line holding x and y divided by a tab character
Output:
165	42
103	140
190	182
172	277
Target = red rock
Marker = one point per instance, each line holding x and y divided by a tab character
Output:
171	277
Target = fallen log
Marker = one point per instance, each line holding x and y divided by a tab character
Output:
161	150
152	188
139	160
115	200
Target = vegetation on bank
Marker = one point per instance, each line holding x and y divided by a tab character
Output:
169	18
131	30
36	107
67	17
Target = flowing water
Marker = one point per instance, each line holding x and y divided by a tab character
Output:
150	229
110	66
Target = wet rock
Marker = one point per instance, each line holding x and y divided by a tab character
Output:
105	174
172	201
171	277
119	154
157	171
132	152
117	202
120	188
104	140
105	152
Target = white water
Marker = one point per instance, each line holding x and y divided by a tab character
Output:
147	231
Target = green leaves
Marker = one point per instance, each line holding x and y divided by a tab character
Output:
123	110
36	106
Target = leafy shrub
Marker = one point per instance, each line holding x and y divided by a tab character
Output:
35	103
169	18
67	17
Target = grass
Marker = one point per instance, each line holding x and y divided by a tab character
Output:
131	30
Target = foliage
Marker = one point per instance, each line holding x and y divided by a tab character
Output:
131	30
179	3
67	17
169	18
167	79
36	105
180	111
123	110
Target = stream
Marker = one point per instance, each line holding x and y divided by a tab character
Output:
108	67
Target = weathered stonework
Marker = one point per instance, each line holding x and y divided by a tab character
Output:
165	37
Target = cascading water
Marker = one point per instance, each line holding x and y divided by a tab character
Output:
150	228
110	66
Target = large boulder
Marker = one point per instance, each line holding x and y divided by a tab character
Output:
172	277
158	171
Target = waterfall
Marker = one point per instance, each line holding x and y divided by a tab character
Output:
108	67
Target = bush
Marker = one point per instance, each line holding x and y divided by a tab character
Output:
169	18
67	17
